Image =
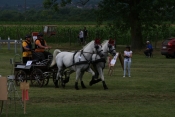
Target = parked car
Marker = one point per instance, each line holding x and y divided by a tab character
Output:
168	47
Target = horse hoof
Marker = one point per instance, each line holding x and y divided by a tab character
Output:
76	86
84	87
63	85
105	88
91	83
56	86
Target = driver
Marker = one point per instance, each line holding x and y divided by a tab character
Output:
41	46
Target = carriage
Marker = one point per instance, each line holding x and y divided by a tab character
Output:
37	72
59	70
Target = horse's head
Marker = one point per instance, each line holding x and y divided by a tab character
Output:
98	47
111	47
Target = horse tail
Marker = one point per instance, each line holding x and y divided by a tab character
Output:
54	57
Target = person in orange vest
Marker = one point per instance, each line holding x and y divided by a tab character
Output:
26	48
41	46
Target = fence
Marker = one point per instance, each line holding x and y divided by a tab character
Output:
9	42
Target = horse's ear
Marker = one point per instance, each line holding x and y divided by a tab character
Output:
97	41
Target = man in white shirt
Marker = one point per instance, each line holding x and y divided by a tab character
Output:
81	36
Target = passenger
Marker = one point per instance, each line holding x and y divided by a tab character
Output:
26	48
40	47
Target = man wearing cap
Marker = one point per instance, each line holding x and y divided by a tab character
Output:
149	49
41	45
26	48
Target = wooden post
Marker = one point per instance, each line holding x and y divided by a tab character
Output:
121	60
24	86
3	88
3	92
112	64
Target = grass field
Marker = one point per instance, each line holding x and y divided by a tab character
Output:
150	92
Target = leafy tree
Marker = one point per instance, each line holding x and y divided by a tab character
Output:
135	15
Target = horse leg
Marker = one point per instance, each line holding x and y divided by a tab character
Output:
82	83
96	71
57	78
67	76
102	78
78	72
93	76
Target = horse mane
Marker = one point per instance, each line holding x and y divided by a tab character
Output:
88	44
104	42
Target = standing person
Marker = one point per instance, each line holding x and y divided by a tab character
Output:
149	49
26	48
127	61
85	34
80	35
40	46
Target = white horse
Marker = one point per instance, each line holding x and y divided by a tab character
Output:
98	62
77	62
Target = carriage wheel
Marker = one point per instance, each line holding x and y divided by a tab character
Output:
46	79
20	77
54	78
37	78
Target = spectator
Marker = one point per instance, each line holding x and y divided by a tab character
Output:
80	35
127	61
149	50
26	48
85	35
40	47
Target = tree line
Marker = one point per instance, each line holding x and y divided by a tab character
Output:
64	14
137	16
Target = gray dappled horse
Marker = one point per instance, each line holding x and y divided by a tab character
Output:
98	62
76	62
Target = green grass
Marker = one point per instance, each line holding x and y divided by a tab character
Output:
149	92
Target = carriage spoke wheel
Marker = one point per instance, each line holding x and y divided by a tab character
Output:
20	77
37	78
54	79
46	78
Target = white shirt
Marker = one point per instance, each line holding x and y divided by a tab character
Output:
127	54
81	34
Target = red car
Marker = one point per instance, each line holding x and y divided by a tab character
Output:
168	47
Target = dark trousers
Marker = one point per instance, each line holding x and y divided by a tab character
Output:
41	55
25	59
148	53
46	54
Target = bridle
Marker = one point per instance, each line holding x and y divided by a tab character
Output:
109	49
96	46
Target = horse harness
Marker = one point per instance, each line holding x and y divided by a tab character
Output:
102	59
82	62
